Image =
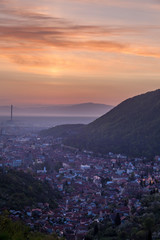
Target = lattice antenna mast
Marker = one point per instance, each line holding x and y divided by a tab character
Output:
11	112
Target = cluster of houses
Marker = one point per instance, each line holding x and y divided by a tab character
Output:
92	187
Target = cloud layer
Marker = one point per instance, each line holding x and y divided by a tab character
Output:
28	30
40	39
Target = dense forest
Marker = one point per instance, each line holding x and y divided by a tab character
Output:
19	189
132	128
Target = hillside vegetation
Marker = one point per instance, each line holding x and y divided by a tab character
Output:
132	128
15	230
143	224
63	131
19	189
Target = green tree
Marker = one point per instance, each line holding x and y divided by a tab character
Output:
117	220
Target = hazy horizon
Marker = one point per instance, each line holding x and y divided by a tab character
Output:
70	110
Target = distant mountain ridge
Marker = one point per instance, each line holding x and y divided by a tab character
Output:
82	109
132	128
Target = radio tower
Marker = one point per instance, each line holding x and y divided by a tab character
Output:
11	112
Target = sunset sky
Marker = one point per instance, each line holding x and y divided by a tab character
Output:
74	51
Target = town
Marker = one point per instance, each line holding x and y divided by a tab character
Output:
92	186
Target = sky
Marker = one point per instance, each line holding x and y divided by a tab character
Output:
75	51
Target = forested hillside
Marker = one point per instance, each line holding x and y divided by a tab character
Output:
19	189
132	128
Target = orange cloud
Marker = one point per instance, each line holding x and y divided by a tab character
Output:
26	37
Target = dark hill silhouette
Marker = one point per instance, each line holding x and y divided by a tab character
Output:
132	128
63	131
